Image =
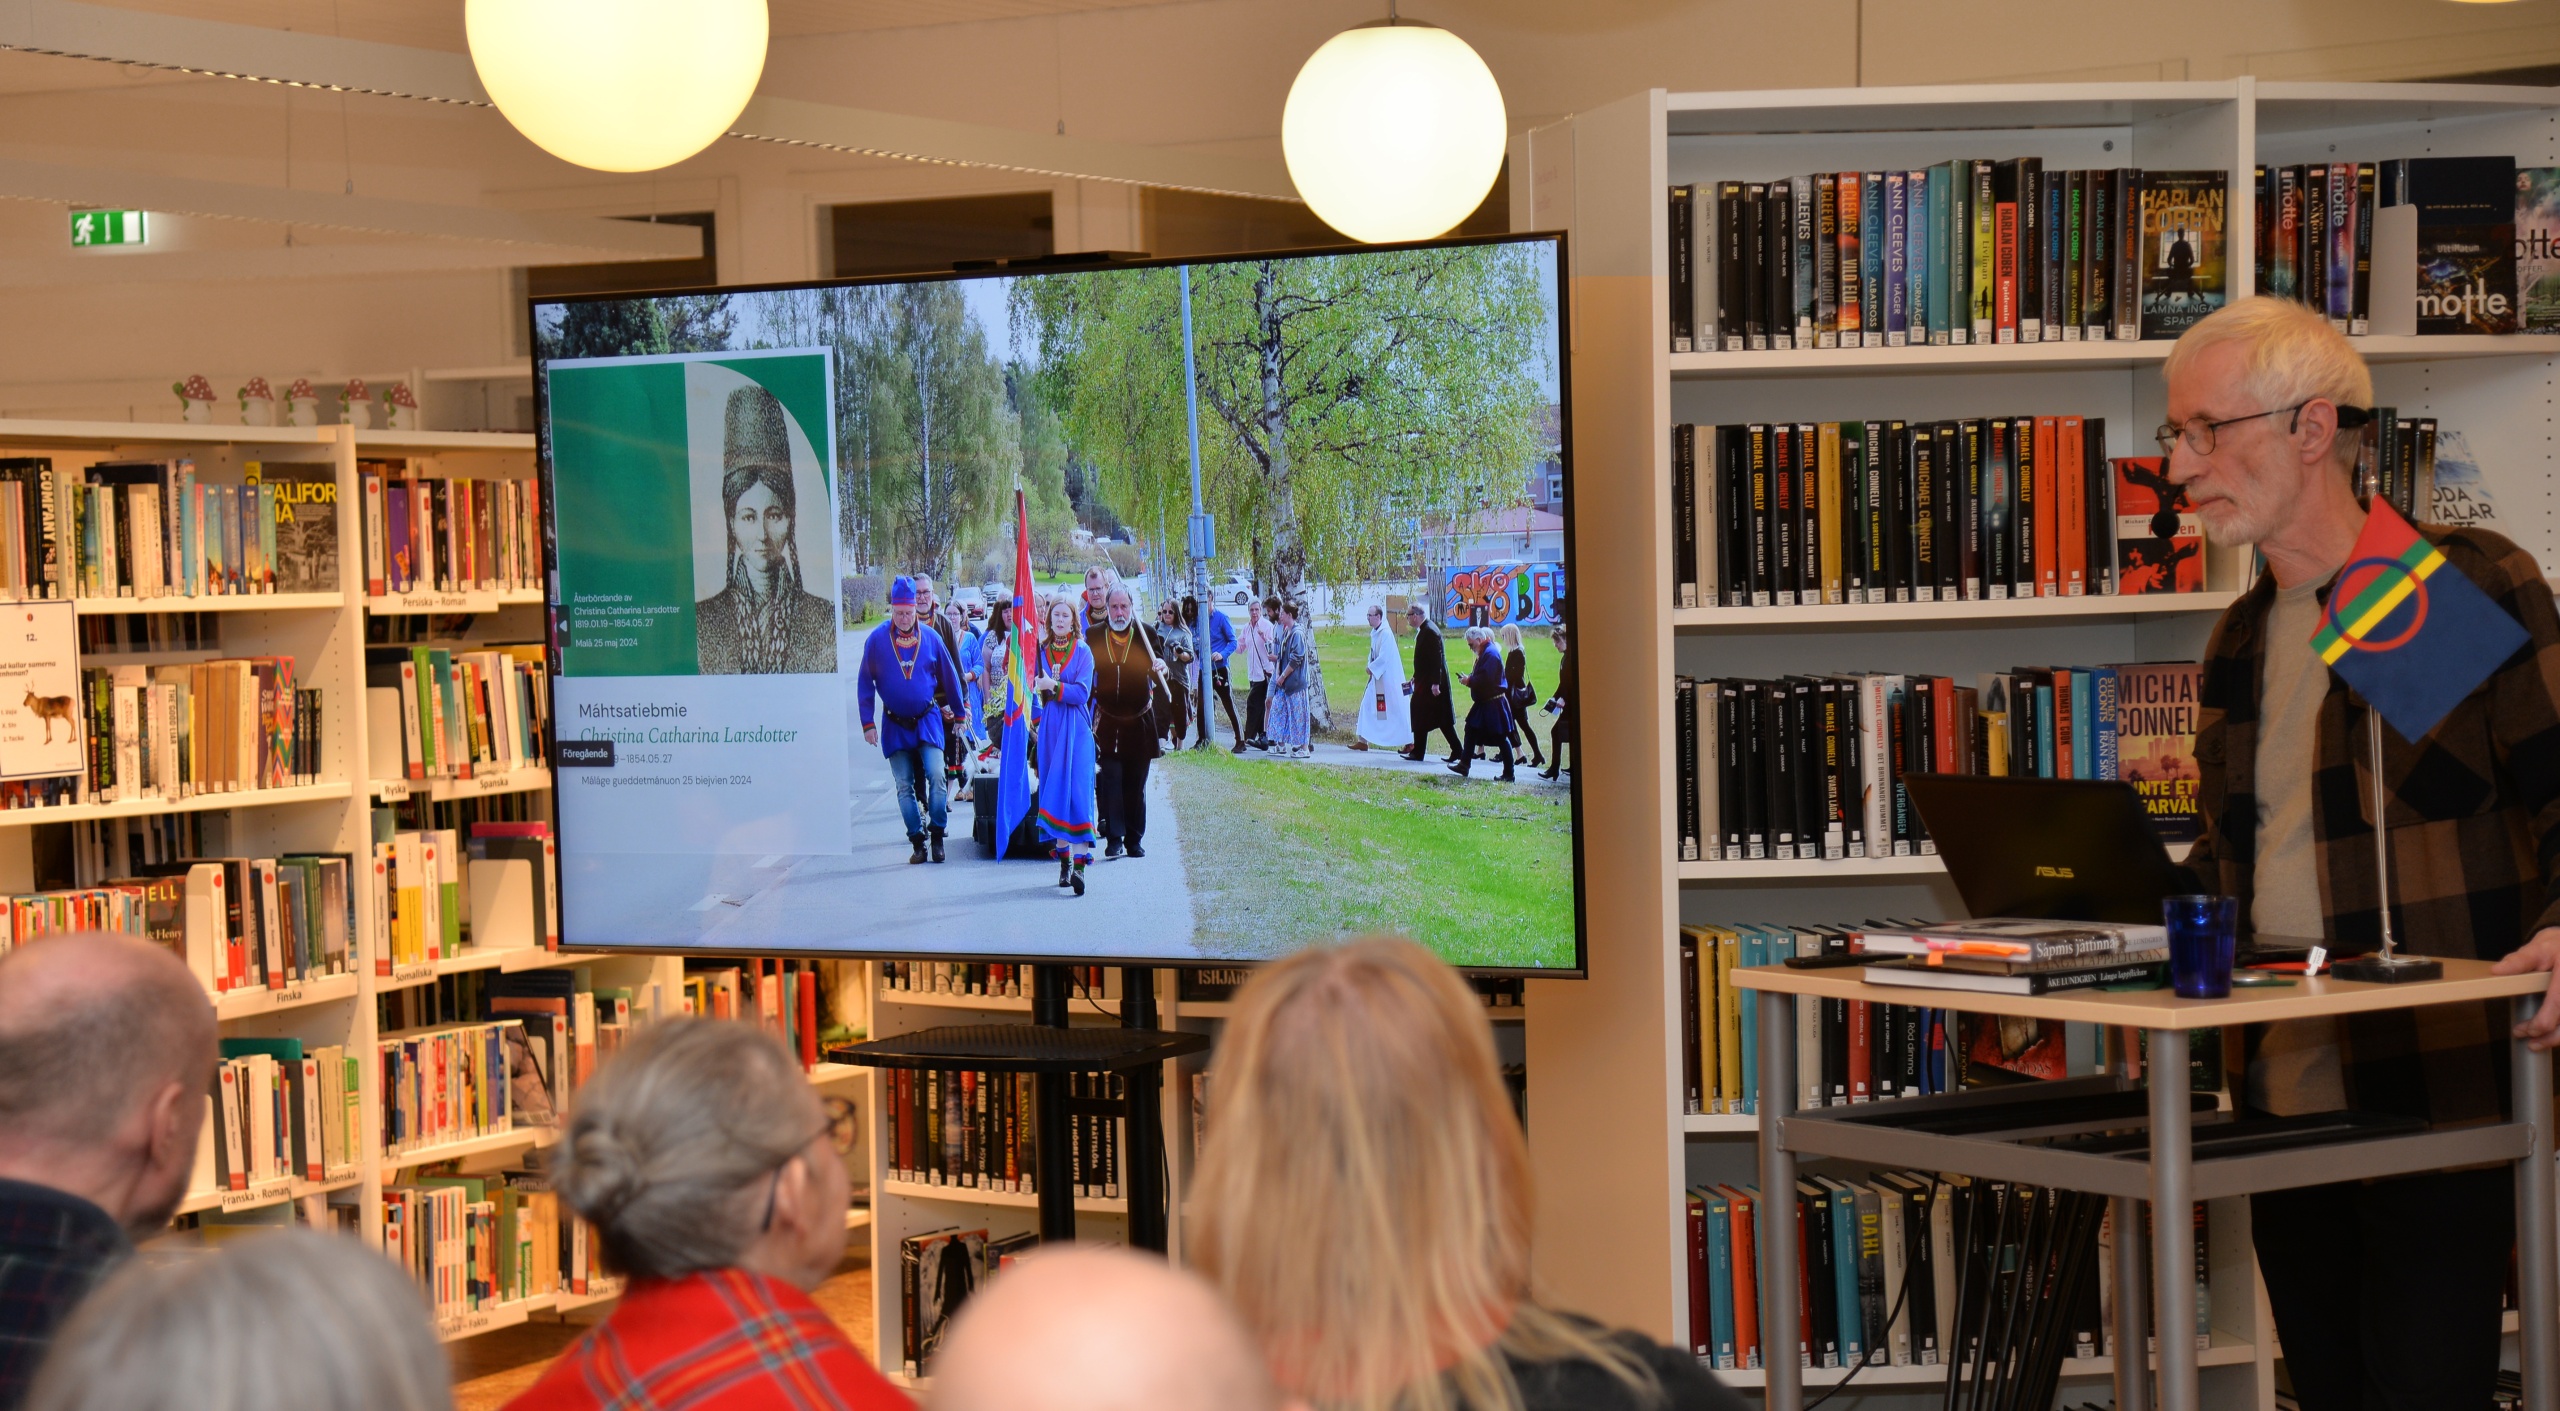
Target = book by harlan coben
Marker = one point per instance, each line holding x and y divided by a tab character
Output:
2156	742
2183	246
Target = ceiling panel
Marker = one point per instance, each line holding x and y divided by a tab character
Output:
437	24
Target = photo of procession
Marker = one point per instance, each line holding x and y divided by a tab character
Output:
1180	612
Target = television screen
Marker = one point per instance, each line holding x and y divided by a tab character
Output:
885	612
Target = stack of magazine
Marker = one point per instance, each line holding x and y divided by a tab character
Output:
2008	955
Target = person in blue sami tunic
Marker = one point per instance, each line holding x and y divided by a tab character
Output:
1064	686
902	664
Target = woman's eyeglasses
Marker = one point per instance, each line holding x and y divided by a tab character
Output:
841	1131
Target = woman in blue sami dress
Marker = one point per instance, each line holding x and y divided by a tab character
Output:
1064	685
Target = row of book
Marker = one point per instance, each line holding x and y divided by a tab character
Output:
1999	955
997	981
105	634
783	997
1967	251
1846	1051
433	533
1904	1268
977	1130
278	1111
435	713
239	923
478	1242
1797	514
2487	261
154	529
1813	767
434	893
938	1271
447	1084
208	727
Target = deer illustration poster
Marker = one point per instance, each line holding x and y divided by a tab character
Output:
40	715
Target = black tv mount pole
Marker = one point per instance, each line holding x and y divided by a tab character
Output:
1052	1051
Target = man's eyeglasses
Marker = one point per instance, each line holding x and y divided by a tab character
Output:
841	1131
2200	434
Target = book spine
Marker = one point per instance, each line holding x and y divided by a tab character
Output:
1826	260
1851	312
1683	294
1897	259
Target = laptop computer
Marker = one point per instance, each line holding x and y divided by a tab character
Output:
2064	849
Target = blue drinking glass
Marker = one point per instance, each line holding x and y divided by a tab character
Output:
2202	934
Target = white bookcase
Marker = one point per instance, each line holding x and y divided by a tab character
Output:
324	633
1612	1148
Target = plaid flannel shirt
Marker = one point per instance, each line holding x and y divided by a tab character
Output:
53	1248
2473	812
724	1338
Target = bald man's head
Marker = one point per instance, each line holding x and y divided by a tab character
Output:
92	1028
1088	1329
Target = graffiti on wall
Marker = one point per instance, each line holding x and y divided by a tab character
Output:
1496	593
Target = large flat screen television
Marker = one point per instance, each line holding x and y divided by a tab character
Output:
781	523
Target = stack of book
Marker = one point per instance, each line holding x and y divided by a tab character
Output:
173	732
1968	251
446	1084
2004	955
968	1129
474	1243
435	713
1996	1281
781	996
430	532
279	1110
945	977
239	923
1813	767
1798	514
155	529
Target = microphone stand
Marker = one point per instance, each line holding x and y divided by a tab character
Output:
2386	966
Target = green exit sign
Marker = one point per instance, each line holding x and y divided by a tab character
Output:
107	228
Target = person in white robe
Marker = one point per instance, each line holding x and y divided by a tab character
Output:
1382	705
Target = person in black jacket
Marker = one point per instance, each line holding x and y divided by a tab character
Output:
1363	1199
1489	705
1560	701
1515	670
1432	707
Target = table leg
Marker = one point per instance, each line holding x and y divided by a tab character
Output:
2537	1259
1779	1317
2173	1231
2133	1372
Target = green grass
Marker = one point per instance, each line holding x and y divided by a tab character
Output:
1344	654
1482	873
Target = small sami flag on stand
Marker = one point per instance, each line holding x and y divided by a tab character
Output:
2407	630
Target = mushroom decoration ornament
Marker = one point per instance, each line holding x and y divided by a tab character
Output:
400	407
301	404
195	399
355	406
257	403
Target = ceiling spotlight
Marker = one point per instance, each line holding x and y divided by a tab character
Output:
618	85
1394	131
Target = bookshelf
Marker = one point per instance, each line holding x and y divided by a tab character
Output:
1611	1148
325	633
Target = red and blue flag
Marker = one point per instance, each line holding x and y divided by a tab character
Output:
1015	790
2407	630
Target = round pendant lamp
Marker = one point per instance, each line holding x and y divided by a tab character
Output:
618	85
1393	131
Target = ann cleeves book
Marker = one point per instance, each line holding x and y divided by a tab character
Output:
2156	742
2184	229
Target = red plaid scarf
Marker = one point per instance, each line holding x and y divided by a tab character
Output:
727	1339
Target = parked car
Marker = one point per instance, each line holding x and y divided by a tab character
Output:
1236	587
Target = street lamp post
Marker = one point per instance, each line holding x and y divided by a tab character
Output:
1204	530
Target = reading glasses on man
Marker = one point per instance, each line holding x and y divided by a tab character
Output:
2199	434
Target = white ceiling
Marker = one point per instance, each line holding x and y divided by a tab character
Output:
437	24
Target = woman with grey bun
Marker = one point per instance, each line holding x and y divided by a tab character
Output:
290	1321
714	1177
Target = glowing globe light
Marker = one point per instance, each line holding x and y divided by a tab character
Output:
1393	131
618	85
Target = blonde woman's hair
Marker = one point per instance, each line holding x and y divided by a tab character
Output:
1364	1198
2291	354
1509	634
294	1320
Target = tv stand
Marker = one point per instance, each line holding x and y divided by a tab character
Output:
1051	1051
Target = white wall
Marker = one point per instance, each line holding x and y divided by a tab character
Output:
1210	75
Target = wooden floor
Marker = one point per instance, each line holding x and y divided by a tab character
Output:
492	1368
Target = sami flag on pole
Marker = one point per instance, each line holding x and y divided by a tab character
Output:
2407	630
1014	789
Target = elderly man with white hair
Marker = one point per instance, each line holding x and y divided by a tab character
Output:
2384	1292
1090	1329
1489	714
